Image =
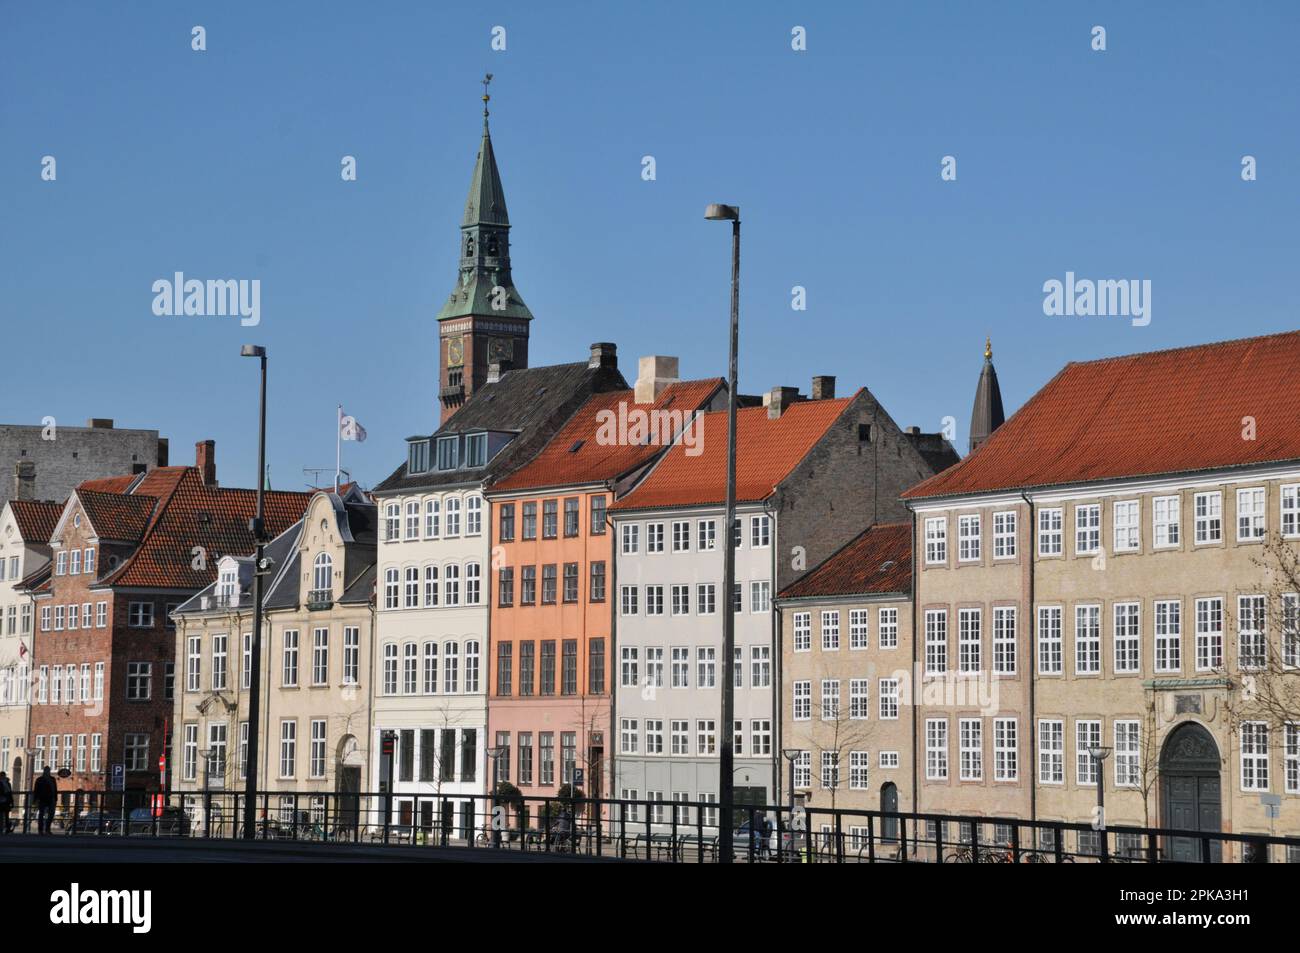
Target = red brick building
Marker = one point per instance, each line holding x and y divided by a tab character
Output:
126	551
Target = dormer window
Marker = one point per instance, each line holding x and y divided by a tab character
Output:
447	452
419	456
322	569
476	450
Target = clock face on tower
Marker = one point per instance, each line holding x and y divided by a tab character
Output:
500	349
455	352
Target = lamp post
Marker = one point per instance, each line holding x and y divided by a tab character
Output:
726	781
258	528
1099	754
791	755
495	754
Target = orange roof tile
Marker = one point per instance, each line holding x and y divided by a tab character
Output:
767	450
577	454
36	519
1175	411
877	561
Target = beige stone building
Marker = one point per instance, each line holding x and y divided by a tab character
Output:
1117	564
845	668
316	685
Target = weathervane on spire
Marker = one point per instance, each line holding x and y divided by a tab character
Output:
487	78
988	348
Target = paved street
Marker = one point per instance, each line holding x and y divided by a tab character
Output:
22	849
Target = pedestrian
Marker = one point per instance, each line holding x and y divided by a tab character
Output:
6	802
767	837
45	792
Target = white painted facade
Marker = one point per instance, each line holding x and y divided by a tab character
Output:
18	558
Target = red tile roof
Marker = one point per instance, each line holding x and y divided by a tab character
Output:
115	515
559	464
767	451
36	519
1175	411
183	513
877	561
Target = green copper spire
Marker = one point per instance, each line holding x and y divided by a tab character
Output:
484	287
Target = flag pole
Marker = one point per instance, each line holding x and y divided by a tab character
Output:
338	447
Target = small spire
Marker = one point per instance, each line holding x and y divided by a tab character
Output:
988	348
487	78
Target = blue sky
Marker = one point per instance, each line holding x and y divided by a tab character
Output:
225	164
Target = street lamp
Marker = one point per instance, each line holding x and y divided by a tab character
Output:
1099	753
495	754
791	755
258	527
726	781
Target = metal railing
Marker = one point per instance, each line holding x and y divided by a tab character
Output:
671	831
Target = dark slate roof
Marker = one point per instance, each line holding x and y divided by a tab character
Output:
533	402
277	550
358	527
878	561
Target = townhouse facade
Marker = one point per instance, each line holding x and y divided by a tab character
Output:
809	471
1117	561
552	670
436	559
847	636
127	552
25	530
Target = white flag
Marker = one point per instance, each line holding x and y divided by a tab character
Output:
350	429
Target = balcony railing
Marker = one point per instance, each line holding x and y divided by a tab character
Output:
320	599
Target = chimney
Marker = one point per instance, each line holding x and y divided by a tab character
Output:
823	387
205	459
603	354
779	400
913	431
163	447
24	480
496	369
100	423
653	374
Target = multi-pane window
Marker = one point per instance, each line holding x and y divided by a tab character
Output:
410	668
802	700
219	668
654	736
1087	528
529	519
968	640
1254	756
596	584
1127	516
413	519
760	531
471	666
504	662
1004	535
760	666
430	667
1051	531
629	666
971	745
392	588
1169	634
830	769
527	585
1209	634
136	751
706	535
1252	644
889	698
654	600
706	598
139	681
1289	501
599	506
1207	510
1006	751
1165	521
654	666
1087	640
859	638
631	538
830	630
1050	655
1127	753
629	600
320	656
316	766
451	517
654	537
802	631
681	599
571	516
1051	751
887	628
390	669
506	586
803	771
936	749
1291	757
681	667
629	735
760	596
288	747
936	641
412	588
506	523
190	753
193	662
859	702
705	666
936	540
290	658
1251	523
1004	640
1128	637
451	585
1291	629
706	736
450	667
140	615
1087	735
760	737
968	538
681	536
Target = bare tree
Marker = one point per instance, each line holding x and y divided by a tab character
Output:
1268	670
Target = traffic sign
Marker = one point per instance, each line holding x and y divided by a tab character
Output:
117	777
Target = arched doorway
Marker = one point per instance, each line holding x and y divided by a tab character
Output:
16	776
1190	790
889	803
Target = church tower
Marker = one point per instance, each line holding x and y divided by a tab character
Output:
987	415
484	320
